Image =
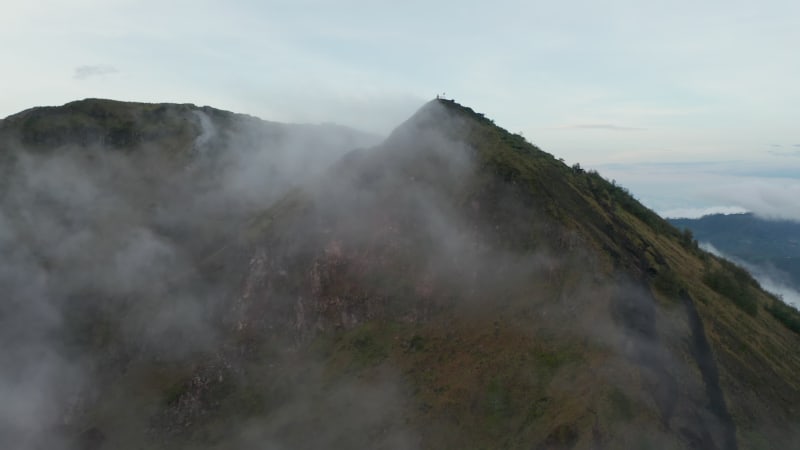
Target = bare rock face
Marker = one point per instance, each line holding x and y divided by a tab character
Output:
193	401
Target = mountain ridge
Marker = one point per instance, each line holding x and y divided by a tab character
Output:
651	262
454	286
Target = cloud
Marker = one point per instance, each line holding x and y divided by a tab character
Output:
597	126
694	213
84	72
770	199
790	153
768	189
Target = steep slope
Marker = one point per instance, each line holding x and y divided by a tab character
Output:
453	287
472	222
510	300
572	315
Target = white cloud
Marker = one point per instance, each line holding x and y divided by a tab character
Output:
768	187
776	198
84	72
597	126
695	213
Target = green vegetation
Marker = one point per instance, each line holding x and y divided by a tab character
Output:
611	193
739	273
498	401
416	343
118	125
369	344
668	282
620	405
733	285
550	360
786	314
175	391
687	239
563	436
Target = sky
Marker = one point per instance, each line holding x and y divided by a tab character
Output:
691	105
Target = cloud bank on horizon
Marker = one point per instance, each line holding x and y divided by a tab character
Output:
769	188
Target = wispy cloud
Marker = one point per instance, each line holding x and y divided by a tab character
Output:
84	72
687	189
768	198
597	126
695	213
792	153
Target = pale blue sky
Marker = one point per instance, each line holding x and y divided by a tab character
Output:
613	85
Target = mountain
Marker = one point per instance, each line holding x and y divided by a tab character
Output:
773	245
450	287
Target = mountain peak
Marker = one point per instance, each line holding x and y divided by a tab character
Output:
111	123
440	111
458	108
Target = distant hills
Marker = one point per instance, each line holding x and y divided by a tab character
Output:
180	277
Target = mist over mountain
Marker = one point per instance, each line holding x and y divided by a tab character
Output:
184	277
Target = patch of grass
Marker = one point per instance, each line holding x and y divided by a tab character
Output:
668	283
537	410
549	361
787	315
563	436
369	344
552	360
611	193
735	287
739	273
416	343
620	405
498	401
755	440
174	392
251	399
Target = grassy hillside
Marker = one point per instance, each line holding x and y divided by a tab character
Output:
530	303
